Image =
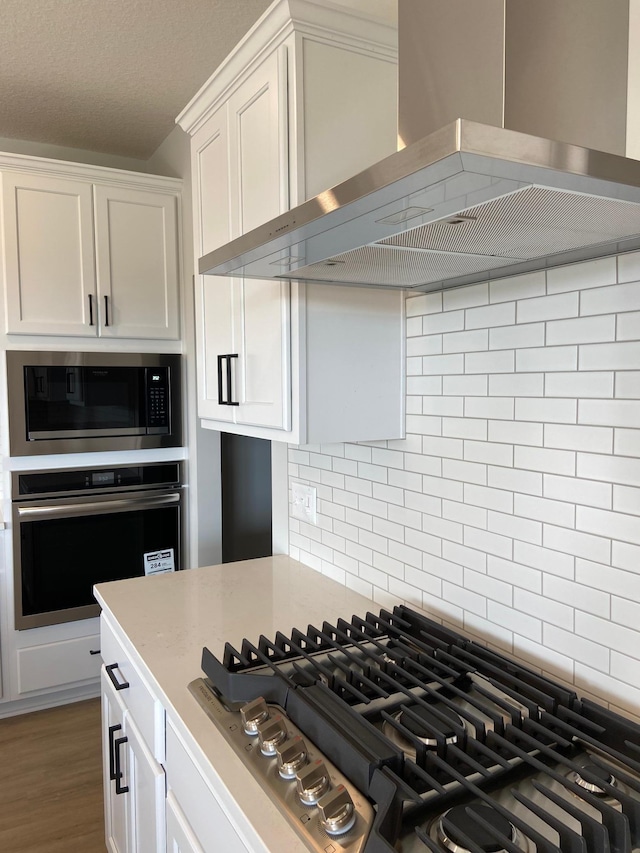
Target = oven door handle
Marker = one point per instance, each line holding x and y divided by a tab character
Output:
26	512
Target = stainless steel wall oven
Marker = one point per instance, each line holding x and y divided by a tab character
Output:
70	402
73	529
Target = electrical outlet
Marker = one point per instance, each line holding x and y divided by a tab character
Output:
304	502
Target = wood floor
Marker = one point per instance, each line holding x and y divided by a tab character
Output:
51	781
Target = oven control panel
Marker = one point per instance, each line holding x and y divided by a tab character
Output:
324	808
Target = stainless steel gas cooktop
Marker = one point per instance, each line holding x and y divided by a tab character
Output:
394	733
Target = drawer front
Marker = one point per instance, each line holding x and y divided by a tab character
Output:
198	803
61	664
145	709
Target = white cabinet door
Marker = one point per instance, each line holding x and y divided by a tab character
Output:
146	782
180	837
213	296
116	805
134	782
258	173
239	161
48	243
137	263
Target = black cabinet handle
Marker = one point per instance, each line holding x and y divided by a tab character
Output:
221	400
94	651
112	763
106	310
120	789
119	685
91	309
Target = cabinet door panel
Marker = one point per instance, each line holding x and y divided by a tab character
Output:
48	236
116	806
180	837
147	830
264	371
137	263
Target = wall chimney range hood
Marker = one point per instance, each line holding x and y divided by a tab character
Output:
471	200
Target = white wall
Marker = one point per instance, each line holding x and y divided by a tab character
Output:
511	510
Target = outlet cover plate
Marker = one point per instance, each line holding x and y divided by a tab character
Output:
303	500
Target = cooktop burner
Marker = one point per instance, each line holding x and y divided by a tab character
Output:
589	784
474	824
430	725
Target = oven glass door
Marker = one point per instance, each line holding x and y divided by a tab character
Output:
68	546
67	401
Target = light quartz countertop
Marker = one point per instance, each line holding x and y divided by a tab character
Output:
165	620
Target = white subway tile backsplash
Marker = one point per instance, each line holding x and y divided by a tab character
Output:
481	496
543	509
501	408
425	345
495	361
589	439
528	482
584	330
545	460
548	308
522	529
626	442
577	543
626	499
610	469
543	608
548	410
502	314
581	597
615	298
525	286
465	386
516	385
516	432
614	525
579	648
547	359
424	303
437	324
579	384
512	507
516	574
463	556
466	297
629	326
627	384
466	341
618	356
580	276
516	621
629	266
546	560
516	337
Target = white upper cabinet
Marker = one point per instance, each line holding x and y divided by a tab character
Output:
307	99
88	259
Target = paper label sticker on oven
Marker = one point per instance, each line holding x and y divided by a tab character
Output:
159	562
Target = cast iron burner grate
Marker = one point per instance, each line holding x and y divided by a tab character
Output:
444	736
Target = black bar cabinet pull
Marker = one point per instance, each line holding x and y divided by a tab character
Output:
106	310
120	789
91	309
94	651
221	399
119	685
112	763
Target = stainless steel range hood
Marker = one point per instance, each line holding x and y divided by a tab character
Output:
469	201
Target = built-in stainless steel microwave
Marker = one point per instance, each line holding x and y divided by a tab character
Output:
71	402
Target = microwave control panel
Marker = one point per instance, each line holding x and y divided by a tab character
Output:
158	404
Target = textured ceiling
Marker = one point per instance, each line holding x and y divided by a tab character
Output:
110	75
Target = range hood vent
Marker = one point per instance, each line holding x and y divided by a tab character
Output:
467	202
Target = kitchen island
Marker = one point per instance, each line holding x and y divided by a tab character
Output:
154	629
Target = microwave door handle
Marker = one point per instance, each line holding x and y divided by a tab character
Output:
26	512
